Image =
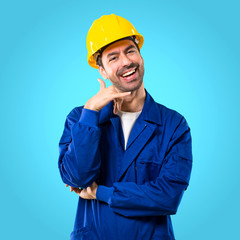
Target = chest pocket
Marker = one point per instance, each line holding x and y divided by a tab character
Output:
146	170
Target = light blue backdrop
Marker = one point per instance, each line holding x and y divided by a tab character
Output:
192	62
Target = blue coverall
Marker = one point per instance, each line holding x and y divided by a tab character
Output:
140	187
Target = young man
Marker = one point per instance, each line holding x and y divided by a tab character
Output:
126	156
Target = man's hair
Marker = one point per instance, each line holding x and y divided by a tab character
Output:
98	54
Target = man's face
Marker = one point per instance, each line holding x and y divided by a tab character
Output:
123	65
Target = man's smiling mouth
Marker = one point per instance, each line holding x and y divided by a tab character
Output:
128	73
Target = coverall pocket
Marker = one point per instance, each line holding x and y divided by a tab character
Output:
147	171
183	169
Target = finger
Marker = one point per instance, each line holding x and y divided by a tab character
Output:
90	191
102	83
77	190
120	95
83	194
119	105
115	108
66	185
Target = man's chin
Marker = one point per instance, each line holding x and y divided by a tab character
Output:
130	86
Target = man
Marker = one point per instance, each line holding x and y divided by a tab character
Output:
126	156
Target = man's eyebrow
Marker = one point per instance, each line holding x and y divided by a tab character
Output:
115	53
129	47
112	53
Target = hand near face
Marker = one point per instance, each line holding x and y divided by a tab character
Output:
88	193
104	96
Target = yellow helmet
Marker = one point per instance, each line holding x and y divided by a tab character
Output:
108	29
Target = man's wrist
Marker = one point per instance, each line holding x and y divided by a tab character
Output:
89	105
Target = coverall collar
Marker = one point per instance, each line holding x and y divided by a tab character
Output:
150	111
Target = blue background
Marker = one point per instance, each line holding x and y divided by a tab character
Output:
192	64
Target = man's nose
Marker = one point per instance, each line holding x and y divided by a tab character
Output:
125	61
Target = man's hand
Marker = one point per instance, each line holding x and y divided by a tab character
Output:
88	193
104	96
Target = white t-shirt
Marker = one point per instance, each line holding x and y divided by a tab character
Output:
127	119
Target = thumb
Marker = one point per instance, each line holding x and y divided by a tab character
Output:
102	83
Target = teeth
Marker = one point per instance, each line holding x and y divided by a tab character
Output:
128	73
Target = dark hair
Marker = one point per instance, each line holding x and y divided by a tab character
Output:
98	54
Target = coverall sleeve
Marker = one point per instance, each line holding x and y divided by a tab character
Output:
79	160
162	195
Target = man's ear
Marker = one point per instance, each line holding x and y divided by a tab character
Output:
142	59
102	72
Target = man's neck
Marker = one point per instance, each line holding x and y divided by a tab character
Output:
135	101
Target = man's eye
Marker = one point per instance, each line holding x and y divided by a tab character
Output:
131	51
112	59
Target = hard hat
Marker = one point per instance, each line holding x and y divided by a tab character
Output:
108	29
